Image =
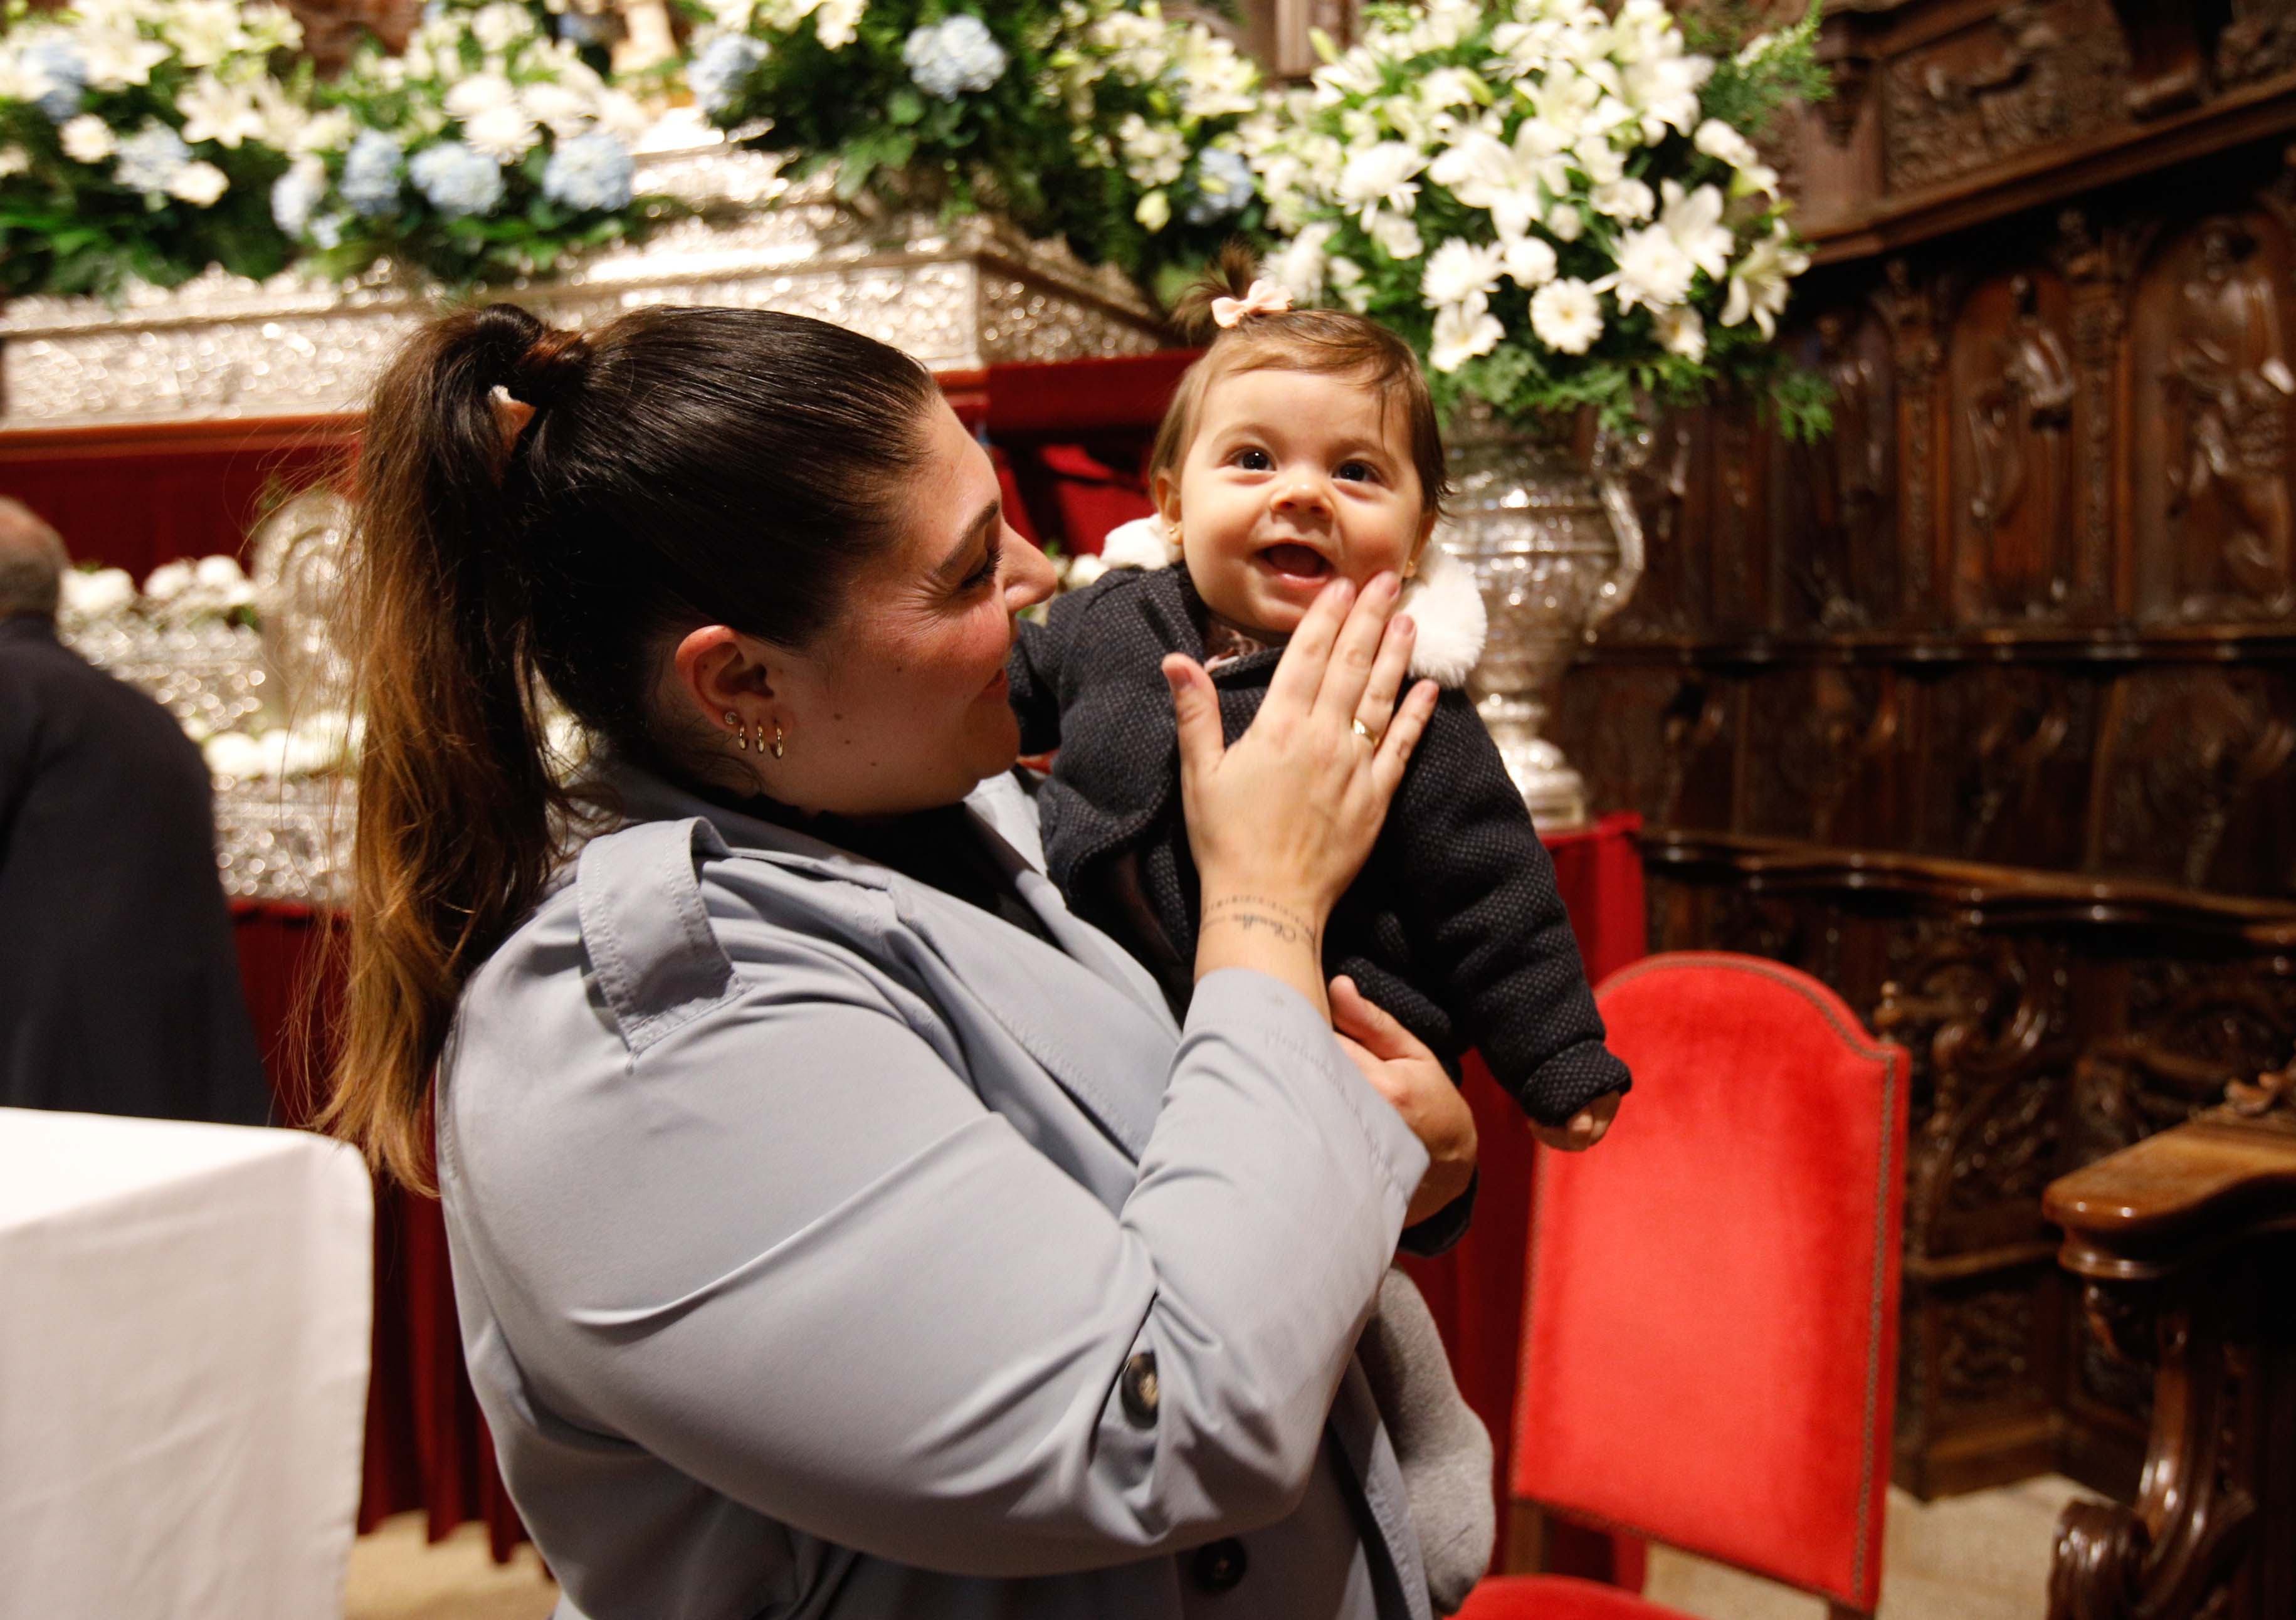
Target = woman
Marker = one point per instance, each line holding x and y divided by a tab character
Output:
838	1227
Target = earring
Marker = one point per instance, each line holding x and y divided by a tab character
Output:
740	732
775	747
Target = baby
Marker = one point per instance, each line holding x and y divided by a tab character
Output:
1302	447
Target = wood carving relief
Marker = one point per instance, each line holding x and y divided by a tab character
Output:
2259	43
1843	572
2193	779
2211	368
2012	386
2007	746
2034	74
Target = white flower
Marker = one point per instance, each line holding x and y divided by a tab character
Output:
1653	270
1567	316
1458	272
838	22
1720	141
87	139
481	92
235	754
1380	177
1463	332
117	58
149	160
561	108
1531	261
170	580
1565	222
99	594
1761	279
205	31
1665	90
1601	162
1447	88
501	25
1694	220
954	55
14	161
504	134
216	112
1348	280
328	131
1299	266
295	195
199	183
1625	201
1504	177
1153	210
1154	154
1681	331
1396	234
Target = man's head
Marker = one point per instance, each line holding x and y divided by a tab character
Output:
32	563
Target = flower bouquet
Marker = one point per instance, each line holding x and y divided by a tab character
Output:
139	139
1156	179
1562	208
488	150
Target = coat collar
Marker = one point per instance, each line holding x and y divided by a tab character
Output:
1043	996
1442	600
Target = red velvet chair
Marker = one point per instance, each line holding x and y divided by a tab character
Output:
1710	1353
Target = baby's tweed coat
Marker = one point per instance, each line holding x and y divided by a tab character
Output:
1455	925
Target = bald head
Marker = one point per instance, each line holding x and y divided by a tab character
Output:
32	563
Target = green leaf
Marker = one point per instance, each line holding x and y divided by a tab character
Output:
904	106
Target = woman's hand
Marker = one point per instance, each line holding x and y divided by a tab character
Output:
1280	823
1402	1071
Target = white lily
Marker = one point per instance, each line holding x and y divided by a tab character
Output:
1694	220
1463	332
1762	280
216	112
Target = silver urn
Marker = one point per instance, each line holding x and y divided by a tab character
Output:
1556	547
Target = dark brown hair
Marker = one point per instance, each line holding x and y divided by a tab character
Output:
1329	342
683	468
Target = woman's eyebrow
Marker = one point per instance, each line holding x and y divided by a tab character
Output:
959	561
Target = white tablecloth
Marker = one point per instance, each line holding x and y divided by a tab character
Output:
183	1342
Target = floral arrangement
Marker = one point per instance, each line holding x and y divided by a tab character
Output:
175	592
1562	206
488	150
140	138
1157	178
902	96
1100	120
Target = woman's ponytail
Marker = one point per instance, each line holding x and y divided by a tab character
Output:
458	807
542	513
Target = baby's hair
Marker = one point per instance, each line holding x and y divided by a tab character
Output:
1328	343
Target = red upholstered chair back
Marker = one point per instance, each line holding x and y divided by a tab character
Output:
1711	1345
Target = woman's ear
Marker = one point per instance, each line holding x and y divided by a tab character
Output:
721	672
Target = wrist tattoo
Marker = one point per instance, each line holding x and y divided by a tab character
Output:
1257	913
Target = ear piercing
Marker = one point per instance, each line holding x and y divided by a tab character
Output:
742	735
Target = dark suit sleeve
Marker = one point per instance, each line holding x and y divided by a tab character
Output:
1478	901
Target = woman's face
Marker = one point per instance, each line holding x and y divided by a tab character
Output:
901	705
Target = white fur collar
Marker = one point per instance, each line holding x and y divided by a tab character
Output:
1441	598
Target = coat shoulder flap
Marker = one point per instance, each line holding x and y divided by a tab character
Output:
647	929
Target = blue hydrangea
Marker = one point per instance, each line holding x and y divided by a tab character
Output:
589	171
1223	186
60	63
458	179
954	55
149	160
370	169
295	194
720	70
580	29
327	229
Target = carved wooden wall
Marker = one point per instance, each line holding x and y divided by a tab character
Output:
1985	710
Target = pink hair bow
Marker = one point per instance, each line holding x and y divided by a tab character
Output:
1264	298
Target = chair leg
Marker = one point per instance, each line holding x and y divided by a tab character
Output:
1522	1549
1842	1611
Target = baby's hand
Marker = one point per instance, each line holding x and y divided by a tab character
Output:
1585	1128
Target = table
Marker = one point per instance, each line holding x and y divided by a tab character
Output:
183	1358
427	1446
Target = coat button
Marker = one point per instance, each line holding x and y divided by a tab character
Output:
1137	1389
1218	1566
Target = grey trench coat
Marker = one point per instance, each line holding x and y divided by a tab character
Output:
827	1246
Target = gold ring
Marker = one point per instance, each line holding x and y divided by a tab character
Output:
1366	733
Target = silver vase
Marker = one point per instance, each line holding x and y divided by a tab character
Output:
1556	548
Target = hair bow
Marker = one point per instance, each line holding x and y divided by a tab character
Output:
511	417
1265	298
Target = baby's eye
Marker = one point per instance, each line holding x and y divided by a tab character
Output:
1358	469
1254	460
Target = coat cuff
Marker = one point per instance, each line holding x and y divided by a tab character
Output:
1257	1009
1440	1232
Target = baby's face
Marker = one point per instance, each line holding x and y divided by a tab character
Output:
1293	479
